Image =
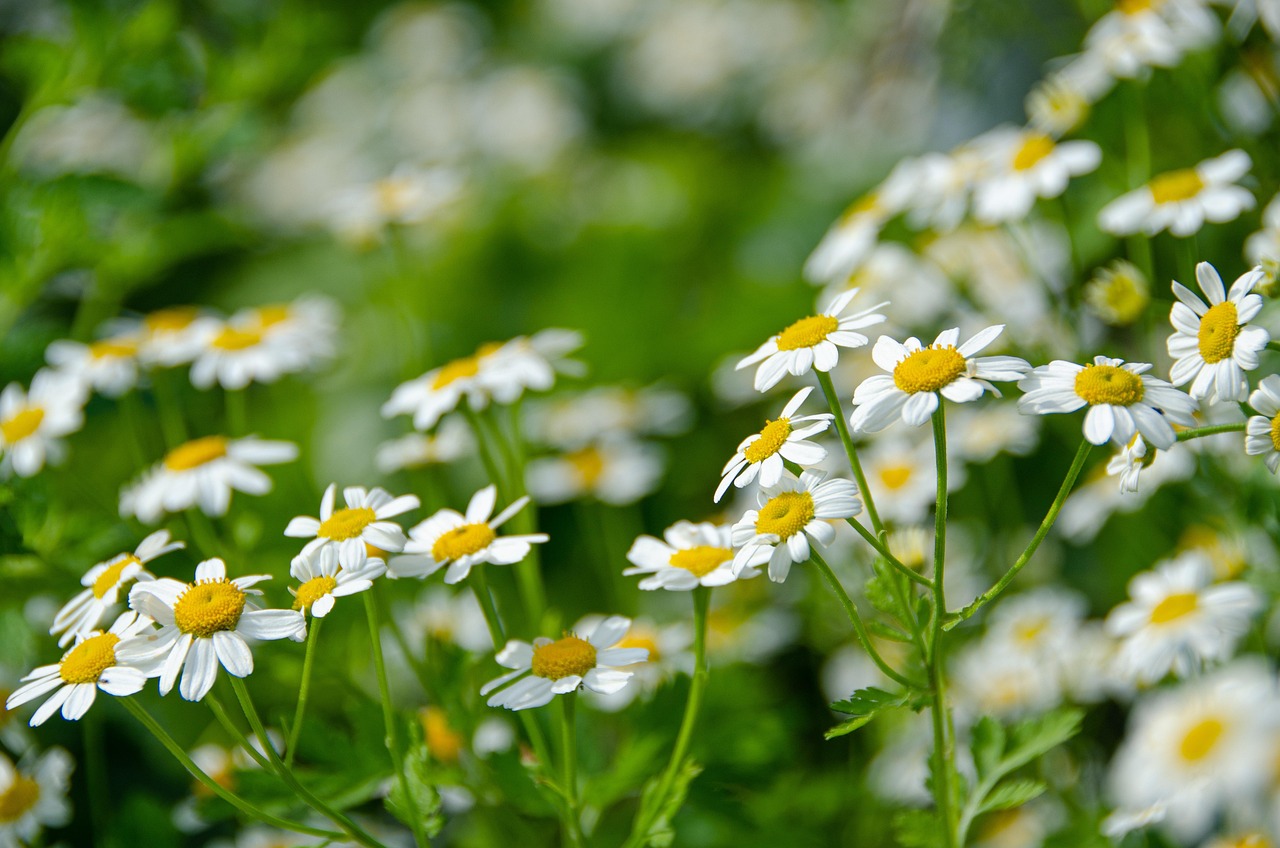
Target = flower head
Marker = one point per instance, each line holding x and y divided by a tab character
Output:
109	366
356	526
33	423
791	514
1214	343
1181	201
763	453
1024	165
322	580
1262	433
33	797
689	555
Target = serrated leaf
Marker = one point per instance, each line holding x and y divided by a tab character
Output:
917	829
987	744
879	593
1010	794
422	800
846	727
660	833
887	631
863	705
1031	738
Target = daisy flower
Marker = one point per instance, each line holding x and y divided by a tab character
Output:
204	624
1181	201
109	366
689	555
408	195
1262	433
323	580
204	472
451	441
1177	619
1121	398
103	584
1139	35
33	798
849	241
791	513
919	374
362	522
1024	165
812	342
1118	293
241	352
617	471
306	326
462	541
429	397
1213	344
91	665
172	336
1129	462
529	363
763	453
33	423
548	667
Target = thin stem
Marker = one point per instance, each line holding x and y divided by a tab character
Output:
569	770
99	786
237	412
943	742
824	380
212	785
203	532
169	407
856	620
939	525
304	689
887	555
1045	526
1212	430
1138	159
220	713
486	451
1187	256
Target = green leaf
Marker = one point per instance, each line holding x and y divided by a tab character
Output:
918	829
660	833
879	592
887	631
863	705
422	800
1010	794
1031	738
987	744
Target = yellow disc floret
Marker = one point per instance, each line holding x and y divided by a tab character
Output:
702	560
564	658
444	743
346	523
462	541
589	463
1174	607
21	424
209	606
1218	330
20	797
1111	384
107	580
113	347
1034	147
1176	185
1201	740
195	453
85	662
459	369
312	591
772	438
1275	432
928	370
786	514
807	332
232	338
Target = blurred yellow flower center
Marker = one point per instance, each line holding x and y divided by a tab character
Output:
271	314
21	796
85	662
170	320
395	196
443	741
112	347
701	560
25	422
895	476
1218	330
1030	630
589	464
807	332
1176	185
312	591
642	640
928	370
1201	739
772	437
1118	294
785	514
1275	432
1109	384
462	541
346	523
209	606
196	453
1134	7
458	369
862	206
1034	148
232	338
107	580
563	658
1174	607
488	349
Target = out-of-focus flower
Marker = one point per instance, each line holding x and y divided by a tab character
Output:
451	441
33	423
1141	34
409	195
1093	502
96	135
1214	344
1262	436
1118	293
571	421
1181	201
171	336
617	472
34	797
1025	165
109	366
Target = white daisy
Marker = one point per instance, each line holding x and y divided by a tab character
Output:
1140	34
241	352
103	584
33	423
791	513
408	195
451	441
34	797
204	624
669	655
429	397
904	477
1178	619
109	366
322	579
89	666
763	453
1062	101
616	471
203	473
529	363
548	668
1181	201
170	336
1024	165
919	374
362	522
812	342
573	420
1213	343
306	326
687	556
1129	462
1262	434
1118	293
1121	398
462	541
850	240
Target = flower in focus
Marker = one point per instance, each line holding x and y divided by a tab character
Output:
109	366
548	667
1181	201
451	441
33	797
763	453
322	580
790	514
1118	293
1024	165
687	556
1214	344
204	624
616	471
103	584
462	541
203	473
362	522
1262	434
32	423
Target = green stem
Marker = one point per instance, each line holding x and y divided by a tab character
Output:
1212	430
1138	159
169	407
828	389
203	532
220	713
308	659
237	412
99	787
212	785
939	526
569	770
1047	524
1273	345
887	555
487	457
943	741
1187	256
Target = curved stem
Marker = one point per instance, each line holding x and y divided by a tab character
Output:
220	713
1212	430
487	457
943	741
304	689
880	548
828	389
237	413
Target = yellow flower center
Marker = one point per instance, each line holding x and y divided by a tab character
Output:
170	320
928	370
589	464
894	477
209	606
458	369
195	453
1030	630
786	514
462	541
772	438
85	662
443	741
112	347
862	206
271	314
20	797
563	658
1174	607
807	332
1111	384
312	591
1218	330
347	523
642	640
25	422
702	560
107	580
1275	432
1201	739
1176	185
231	338
1118	294
1134	7
1033	148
